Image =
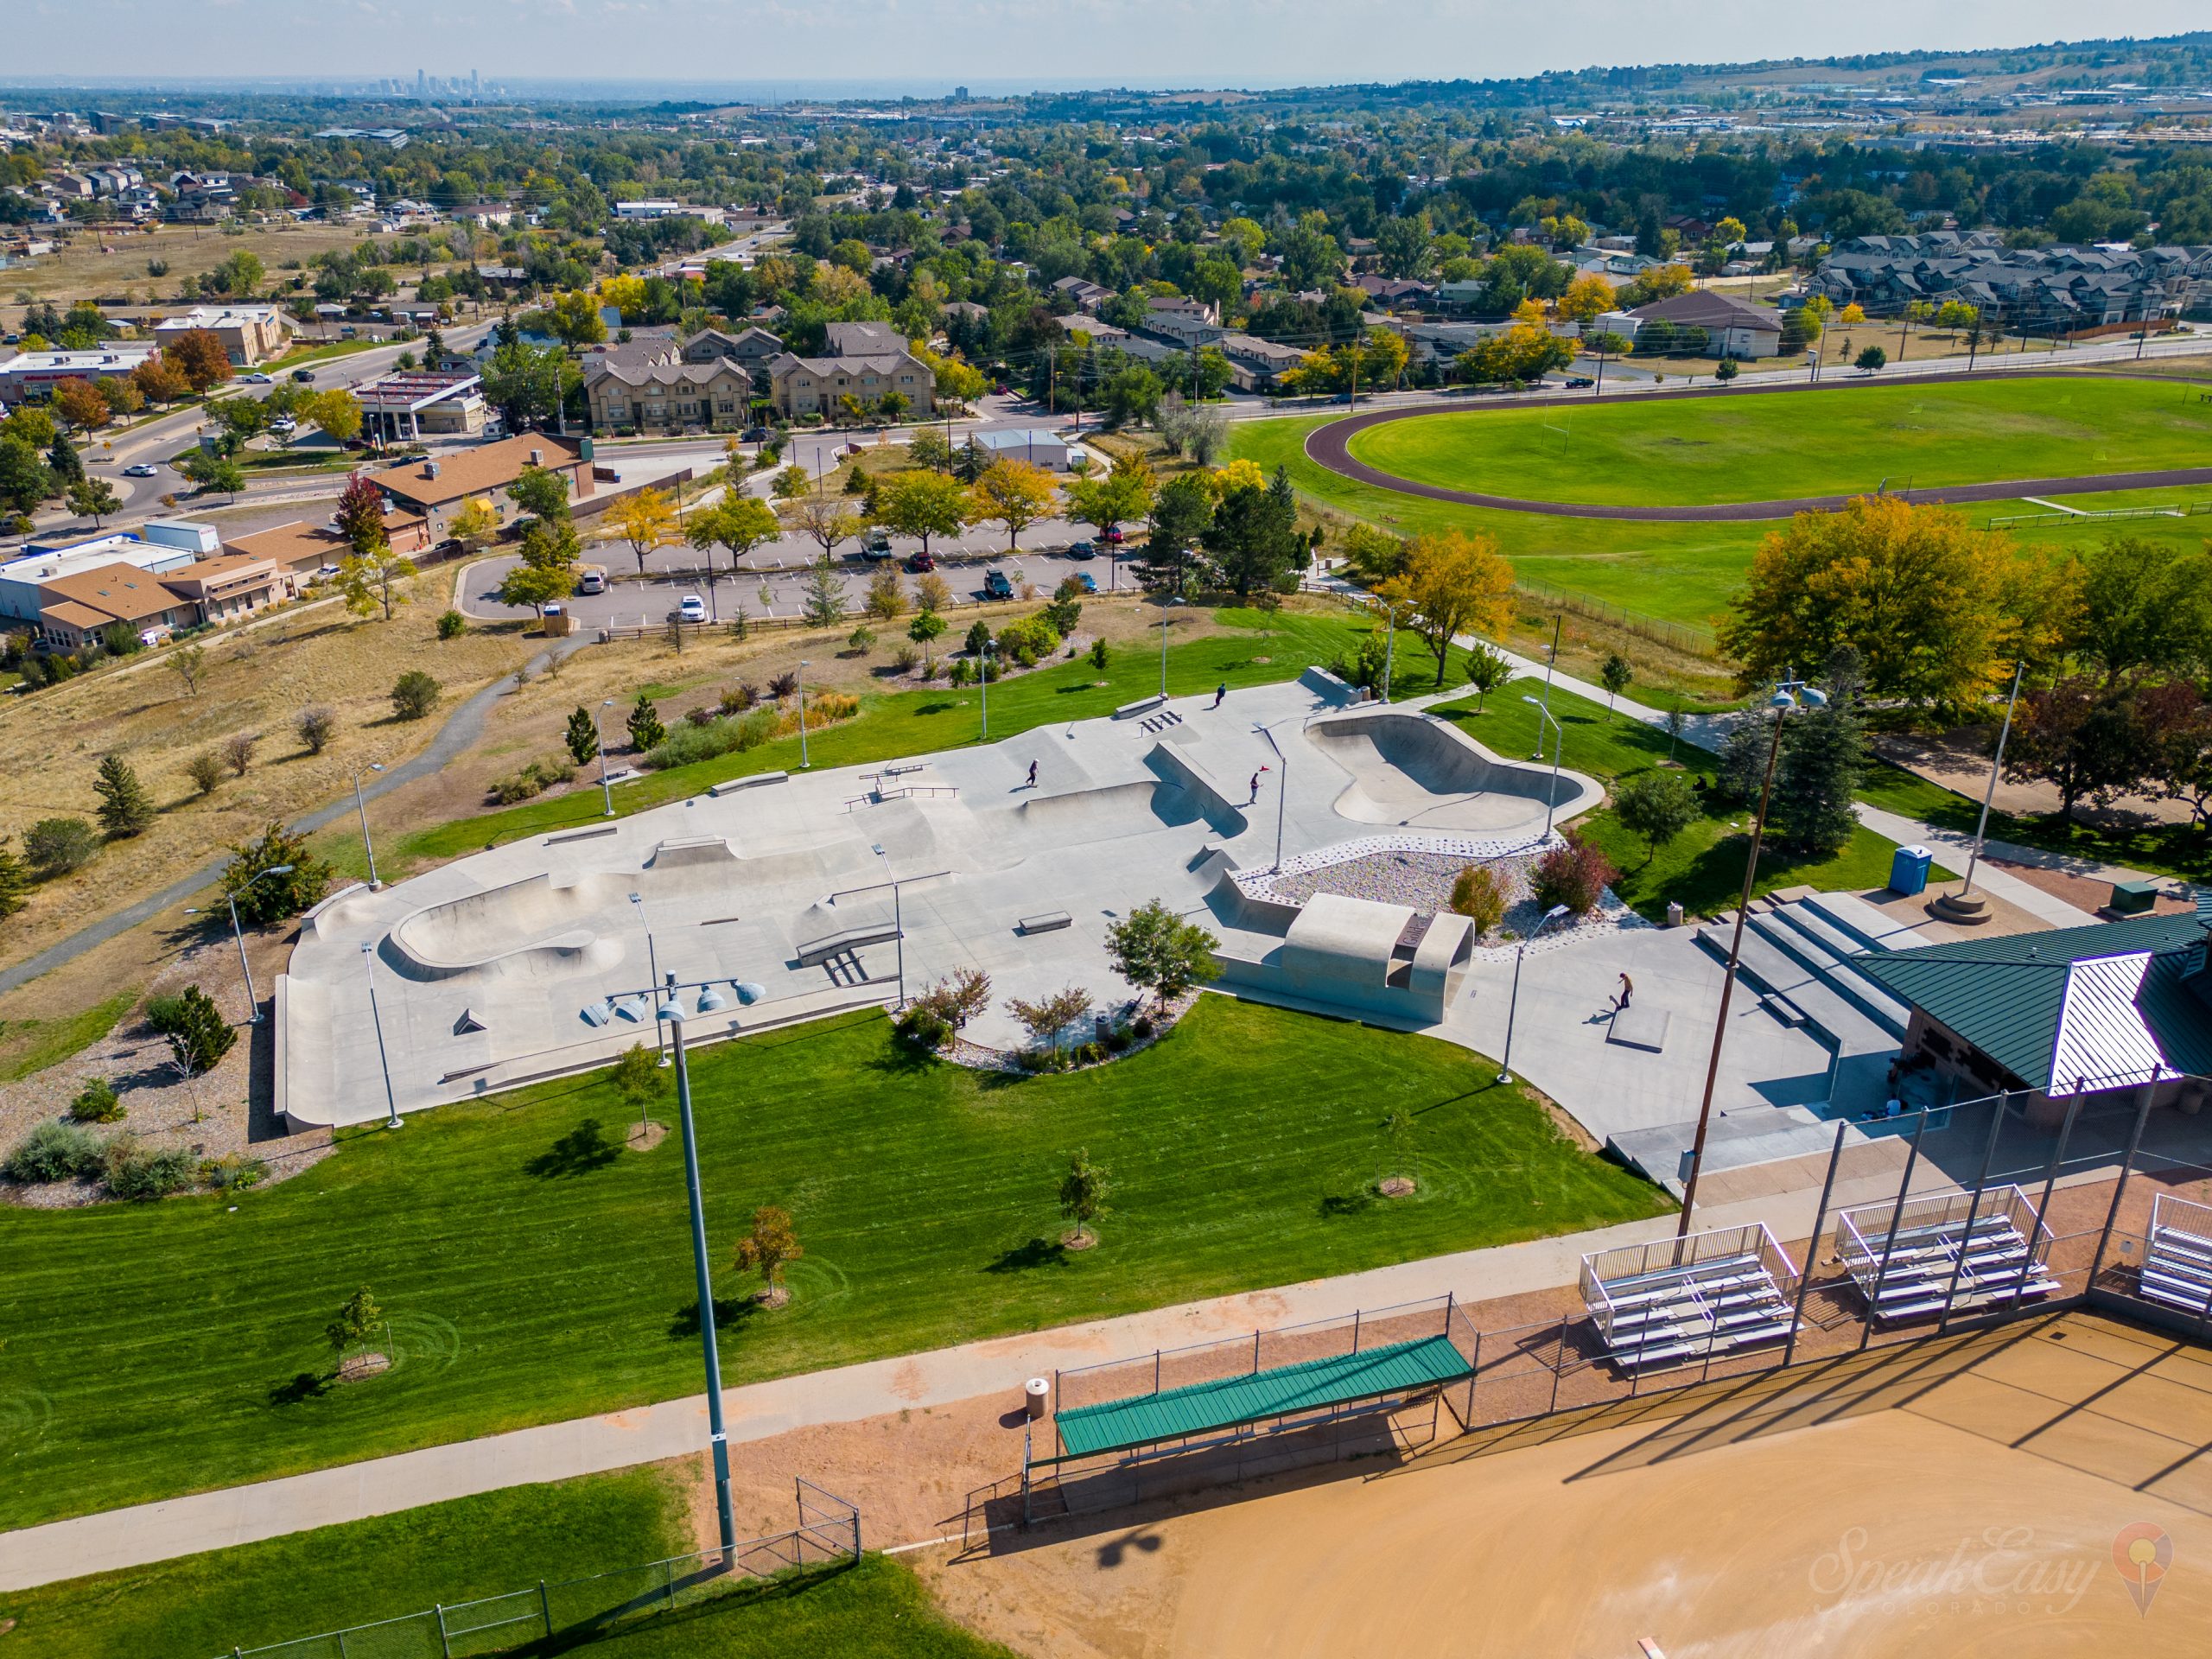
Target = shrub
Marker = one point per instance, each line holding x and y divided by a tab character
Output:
1029	640
57	846
233	1173
414	694
739	697
905	657
1478	894
316	727
136	1173
452	625
923	1026
785	684
55	1151
262	896
1575	874
206	771
1141	1027
962	671
96	1103
701	715
979	635
198	1034
237	752
860	639
1117	1040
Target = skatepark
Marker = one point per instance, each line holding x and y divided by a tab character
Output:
774	898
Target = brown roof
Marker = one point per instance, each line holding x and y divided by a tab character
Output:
473	472
117	592
300	543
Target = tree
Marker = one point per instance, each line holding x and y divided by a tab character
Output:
923	504
338	412
198	1035
647	731
929	448
57	846
414	694
1657	805
1158	949
1586	299
822	593
14	878
79	402
237	752
886	596
474	526
1047	1019
189	664
316	727
68	467
1083	1198
573	316
1823	758
2141	604
369	582
212	472
1182	513
640	1080
1487	671
1121	497
1869	359
95	498
1013	494
360	518
263	897
1453	583
199	356
581	736
541	491
160	382
25	478
1933	606
358	1320
1614	674
645	520
1574	873
767	1249
825	520
1254	537
2088	741
547	571
125	808
1478	894
739	523
927	627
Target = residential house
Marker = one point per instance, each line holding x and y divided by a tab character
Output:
819	385
249	334
1186	321
2061	289
1255	365
1394	290
1087	295
659	385
1731	328
436	489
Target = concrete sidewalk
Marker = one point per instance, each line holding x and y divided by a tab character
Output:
238	1514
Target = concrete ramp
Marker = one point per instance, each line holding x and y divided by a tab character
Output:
703	849
1224	816
1418	772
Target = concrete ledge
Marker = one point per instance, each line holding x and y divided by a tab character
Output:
1051	921
731	786
1644	1028
582	835
1320	680
1142	706
831	944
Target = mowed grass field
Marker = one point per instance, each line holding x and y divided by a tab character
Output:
1772	446
533	1268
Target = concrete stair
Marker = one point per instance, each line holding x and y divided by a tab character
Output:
1796	954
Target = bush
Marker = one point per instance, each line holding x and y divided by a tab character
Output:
785	684
701	715
206	771
1140	1028
316	727
962	671
136	1173
233	1173
861	639
414	694
197	1031
923	1026
905	657
1575	874
57	846
452	625
55	1151
1478	895
739	697
96	1103
1117	1040
1029	640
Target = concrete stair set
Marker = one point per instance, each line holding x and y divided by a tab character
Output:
1795	955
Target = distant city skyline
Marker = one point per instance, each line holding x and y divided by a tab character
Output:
924	47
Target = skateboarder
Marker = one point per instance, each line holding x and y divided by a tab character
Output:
1255	786
1219	692
1628	990
1033	774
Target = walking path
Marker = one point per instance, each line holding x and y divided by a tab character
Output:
1330	447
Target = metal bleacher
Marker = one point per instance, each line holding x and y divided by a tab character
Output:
1678	1300
2177	1255
1950	1252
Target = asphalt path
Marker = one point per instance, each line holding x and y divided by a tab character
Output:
1330	446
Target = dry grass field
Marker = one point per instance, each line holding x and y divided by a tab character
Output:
111	263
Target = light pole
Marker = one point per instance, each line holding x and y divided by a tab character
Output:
652	967
803	761
367	846
1996	763
1513	1006
897	921
1166	605
672	1012
983	679
599	738
1559	739
1282	788
376	1017
252	999
1783	700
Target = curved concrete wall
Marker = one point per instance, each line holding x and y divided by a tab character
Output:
1226	817
1413	769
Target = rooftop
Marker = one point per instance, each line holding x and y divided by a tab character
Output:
473	472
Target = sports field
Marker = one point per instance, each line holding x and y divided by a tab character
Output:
1774	446
1966	1495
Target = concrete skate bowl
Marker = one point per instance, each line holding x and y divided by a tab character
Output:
1418	772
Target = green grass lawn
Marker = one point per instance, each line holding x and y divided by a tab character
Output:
1259	647
31	1046
1702	869
1760	447
534	1270
394	1565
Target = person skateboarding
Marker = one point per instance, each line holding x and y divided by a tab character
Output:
1255	786
1627	991
1220	692
1032	775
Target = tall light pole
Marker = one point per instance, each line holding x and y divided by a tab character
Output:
1559	741
1282	788
1513	1007
984	663
599	738
367	846
652	967
672	1014
392	1120
897	921
1166	605
252	998
803	761
1783	700
1996	764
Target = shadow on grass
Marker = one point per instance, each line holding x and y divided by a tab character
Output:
299	1388
1036	1253
900	1058
581	1150
1337	1206
731	1313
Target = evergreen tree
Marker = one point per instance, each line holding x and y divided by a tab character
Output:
198	1035
63	458
646	730
14	878
1743	759
1823	757
125	808
582	736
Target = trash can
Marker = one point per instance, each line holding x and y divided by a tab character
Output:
1034	1396
1909	870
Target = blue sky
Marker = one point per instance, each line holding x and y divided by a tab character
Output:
1148	42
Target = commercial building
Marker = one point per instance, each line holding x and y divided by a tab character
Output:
160	545
1731	328
31	377
436	490
307	550
249	334
1040	446
174	575
421	403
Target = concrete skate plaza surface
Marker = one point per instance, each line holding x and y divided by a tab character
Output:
532	960
1951	1497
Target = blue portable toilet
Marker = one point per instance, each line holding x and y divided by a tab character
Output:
1909	870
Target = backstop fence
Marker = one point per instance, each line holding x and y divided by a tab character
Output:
572	1610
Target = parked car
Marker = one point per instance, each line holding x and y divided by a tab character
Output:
1113	536
877	547
995	584
691	609
1083	579
1083	551
920	562
257	378
1579	383
284	425
305	376
592	579
756	435
140	469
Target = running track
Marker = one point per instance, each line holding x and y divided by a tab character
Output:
1330	446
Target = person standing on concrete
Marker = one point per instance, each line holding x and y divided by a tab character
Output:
1255	786
1628	990
1219	693
1032	775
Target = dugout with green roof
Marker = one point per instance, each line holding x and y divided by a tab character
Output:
1282	1391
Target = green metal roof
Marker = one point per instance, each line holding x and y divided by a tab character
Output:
1118	1424
2005	995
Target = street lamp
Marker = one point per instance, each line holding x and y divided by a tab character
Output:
1282	788
652	967
1989	795
252	999
1512	1006
1784	699
1559	740
1165	606
897	921
672	1014
804	762
599	739
983	659
376	1016
367	846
